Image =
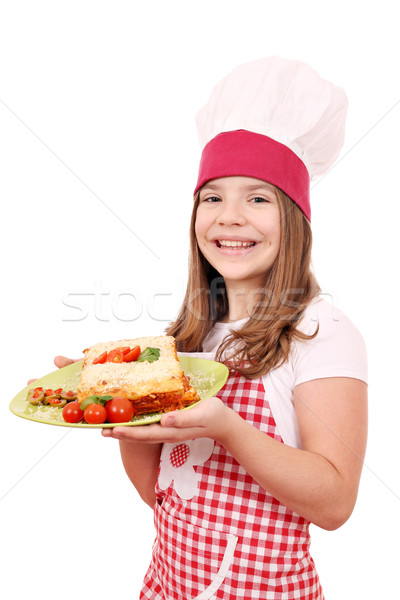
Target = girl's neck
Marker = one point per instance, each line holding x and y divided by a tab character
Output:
241	299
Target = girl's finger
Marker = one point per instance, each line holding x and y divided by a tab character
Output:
183	419
64	361
169	420
59	361
153	434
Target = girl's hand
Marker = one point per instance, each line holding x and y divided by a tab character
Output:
210	418
64	361
59	361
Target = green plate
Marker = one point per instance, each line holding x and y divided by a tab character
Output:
207	376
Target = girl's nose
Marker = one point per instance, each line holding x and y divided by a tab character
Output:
231	213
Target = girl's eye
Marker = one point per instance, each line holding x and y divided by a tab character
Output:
259	200
211	199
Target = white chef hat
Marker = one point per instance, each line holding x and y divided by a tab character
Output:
274	119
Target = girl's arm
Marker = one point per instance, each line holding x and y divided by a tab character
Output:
141	462
319	481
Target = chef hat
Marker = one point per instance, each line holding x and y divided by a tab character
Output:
274	119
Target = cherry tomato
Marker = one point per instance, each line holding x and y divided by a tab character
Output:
132	354
116	355
95	414
100	359
72	412
119	410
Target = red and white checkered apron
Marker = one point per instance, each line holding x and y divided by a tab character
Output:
219	534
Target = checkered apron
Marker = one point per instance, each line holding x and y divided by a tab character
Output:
219	534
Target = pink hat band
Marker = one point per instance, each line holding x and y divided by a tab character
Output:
250	154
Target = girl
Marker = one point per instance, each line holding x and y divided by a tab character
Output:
235	481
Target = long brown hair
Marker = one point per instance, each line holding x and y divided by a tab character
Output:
263	341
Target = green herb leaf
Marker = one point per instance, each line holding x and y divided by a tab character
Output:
149	354
87	401
94	400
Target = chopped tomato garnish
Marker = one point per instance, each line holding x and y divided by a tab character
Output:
55	401
58	391
36	393
132	355
100	359
70	393
49	392
116	355
39	389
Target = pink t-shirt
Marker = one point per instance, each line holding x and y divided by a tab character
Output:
338	350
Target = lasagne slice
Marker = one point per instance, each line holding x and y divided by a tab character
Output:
157	386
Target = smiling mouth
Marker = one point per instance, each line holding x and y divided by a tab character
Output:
237	244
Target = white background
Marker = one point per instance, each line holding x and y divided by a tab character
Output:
98	160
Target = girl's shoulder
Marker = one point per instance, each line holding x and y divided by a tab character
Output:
332	324
329	319
338	349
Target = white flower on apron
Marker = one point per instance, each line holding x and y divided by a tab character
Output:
177	462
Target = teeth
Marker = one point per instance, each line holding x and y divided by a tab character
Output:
235	244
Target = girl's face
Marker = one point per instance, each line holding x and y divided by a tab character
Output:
238	229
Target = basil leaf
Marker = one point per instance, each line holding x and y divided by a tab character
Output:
87	401
94	400
149	354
